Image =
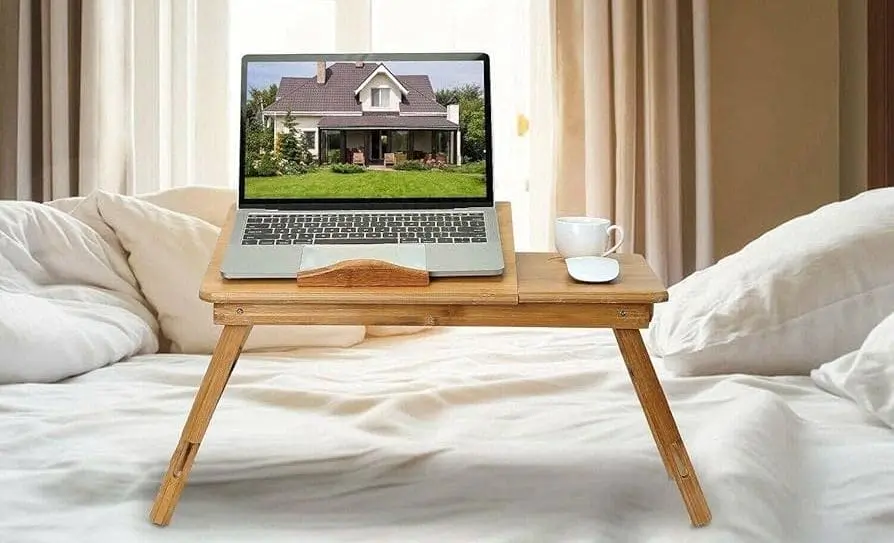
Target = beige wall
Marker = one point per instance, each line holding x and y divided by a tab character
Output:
773	115
302	123
852	114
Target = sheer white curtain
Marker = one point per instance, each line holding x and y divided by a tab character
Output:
154	88
178	110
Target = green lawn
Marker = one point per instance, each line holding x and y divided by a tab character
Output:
371	183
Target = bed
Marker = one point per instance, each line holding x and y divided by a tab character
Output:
418	435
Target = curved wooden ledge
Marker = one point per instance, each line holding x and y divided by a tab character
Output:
363	272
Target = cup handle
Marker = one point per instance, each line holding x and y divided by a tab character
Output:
619	236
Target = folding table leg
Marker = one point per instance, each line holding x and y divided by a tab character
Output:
661	422
226	353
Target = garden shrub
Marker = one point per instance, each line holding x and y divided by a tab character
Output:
472	167
291	168
411	165
347	168
266	165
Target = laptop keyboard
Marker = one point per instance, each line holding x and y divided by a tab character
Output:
364	228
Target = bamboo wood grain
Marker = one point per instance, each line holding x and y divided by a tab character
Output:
226	353
543	278
453	290
661	422
363	273
571	315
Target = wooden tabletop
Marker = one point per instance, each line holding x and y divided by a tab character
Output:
529	278
543	278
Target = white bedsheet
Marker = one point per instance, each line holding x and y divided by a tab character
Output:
465	435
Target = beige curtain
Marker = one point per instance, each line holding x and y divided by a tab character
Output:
105	94
625	123
65	78
40	82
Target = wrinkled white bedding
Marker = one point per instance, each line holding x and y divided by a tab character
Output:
452	435
90	281
68	304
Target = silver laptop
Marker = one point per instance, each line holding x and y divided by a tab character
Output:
365	156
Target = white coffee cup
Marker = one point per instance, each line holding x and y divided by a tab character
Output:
586	236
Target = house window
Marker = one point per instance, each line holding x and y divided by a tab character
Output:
332	145
400	140
310	137
442	142
380	97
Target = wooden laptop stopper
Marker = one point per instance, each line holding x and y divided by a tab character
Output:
363	272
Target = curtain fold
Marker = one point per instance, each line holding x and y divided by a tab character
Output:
109	94
624	123
106	129
40	89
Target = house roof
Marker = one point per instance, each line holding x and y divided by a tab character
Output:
304	94
418	122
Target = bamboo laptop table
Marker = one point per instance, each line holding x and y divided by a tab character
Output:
534	290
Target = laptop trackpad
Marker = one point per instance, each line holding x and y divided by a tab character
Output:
404	254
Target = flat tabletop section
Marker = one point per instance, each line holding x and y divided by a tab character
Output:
543	278
529	279
500	290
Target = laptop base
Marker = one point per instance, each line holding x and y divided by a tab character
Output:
440	259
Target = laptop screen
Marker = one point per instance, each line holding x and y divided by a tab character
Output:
335	128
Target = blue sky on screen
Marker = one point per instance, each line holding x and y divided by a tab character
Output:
443	74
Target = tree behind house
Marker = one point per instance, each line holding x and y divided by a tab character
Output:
470	98
258	143
259	158
258	99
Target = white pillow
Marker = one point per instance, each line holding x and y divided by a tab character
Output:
211	204
865	376
68	304
169	252
804	293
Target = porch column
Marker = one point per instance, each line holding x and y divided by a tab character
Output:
320	134
451	148
344	145
459	149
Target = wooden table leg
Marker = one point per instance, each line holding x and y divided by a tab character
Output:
223	360
650	419
661	422
662	450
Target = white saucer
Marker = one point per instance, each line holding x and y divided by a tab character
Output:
593	269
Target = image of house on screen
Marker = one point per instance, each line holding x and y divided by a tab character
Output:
362	113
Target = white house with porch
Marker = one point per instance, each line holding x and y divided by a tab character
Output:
351	108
